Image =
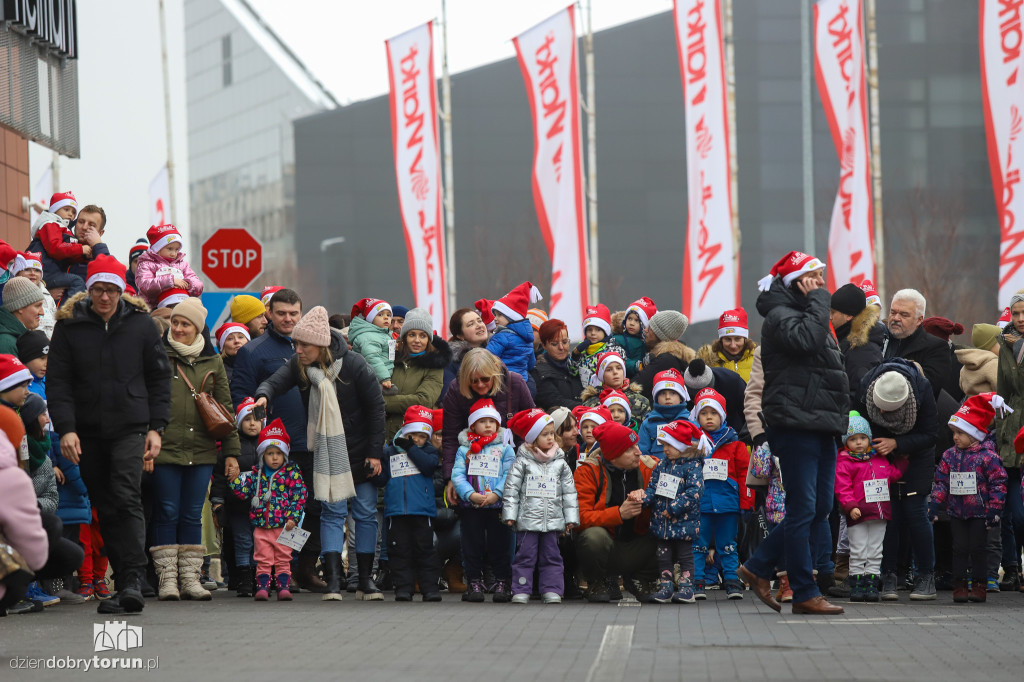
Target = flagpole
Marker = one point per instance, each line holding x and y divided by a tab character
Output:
876	150
449	187
167	112
588	108
808	124
730	107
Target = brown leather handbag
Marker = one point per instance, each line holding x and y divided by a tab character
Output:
218	420
11	561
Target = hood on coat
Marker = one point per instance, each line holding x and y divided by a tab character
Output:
360	327
44	218
595	391
618	322
713	358
71	307
464	437
523	329
908	368
975	359
439	359
678	349
459	348
338	345
862	325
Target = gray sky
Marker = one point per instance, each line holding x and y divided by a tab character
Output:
123	138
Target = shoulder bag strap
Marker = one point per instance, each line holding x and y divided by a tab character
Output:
185	378
202	384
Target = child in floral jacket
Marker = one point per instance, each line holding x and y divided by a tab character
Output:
277	494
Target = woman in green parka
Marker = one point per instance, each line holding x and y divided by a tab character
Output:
419	369
181	474
1010	385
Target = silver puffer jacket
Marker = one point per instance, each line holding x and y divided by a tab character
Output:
539	514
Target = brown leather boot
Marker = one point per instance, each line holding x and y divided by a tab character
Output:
817	606
960	593
761	587
784	594
978	591
453	574
842	571
305	574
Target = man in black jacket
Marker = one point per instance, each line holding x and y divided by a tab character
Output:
908	339
729	384
806	403
858	331
109	388
665	350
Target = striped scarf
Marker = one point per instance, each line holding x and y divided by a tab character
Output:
332	474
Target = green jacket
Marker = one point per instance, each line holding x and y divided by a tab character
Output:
186	440
371	342
1009	385
10	329
419	381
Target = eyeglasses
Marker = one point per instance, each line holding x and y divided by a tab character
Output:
112	292
480	380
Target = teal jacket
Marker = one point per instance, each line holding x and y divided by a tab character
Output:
371	342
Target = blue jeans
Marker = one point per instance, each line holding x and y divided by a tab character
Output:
180	493
1013	519
807	460
332	526
364	511
910	511
241	534
723	528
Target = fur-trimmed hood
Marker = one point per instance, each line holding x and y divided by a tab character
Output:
676	348
464	437
862	325
77	306
439	359
595	391
618	322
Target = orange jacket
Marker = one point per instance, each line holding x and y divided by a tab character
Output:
593	494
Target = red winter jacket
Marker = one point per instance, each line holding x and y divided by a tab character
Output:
60	243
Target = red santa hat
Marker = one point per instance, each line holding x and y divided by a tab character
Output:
370	308
12	372
26	261
614	439
438	420
483	306
61	199
418	419
172	296
529	423
611	396
130	290
276	435
243	410
682	435
163	235
870	293
733	323
537	317
515	304
1005	318
976	414
7	253
229	328
267	294
598	316
483	408
598	415
791	266
104	268
670	380
709	397
609	357
644	309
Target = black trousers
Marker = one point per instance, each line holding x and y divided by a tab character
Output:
671	552
312	509
485	541
969	542
411	553
64	556
112	472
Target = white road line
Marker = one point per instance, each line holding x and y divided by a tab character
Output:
612	656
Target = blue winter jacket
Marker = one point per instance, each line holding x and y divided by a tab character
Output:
38	386
514	346
660	415
684	508
257	361
73	504
465	485
409	495
720	497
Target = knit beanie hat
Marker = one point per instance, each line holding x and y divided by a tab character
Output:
942	328
789	268
313	328
733	323
33	407
598	316
698	375
104	268
12	372
20	292
537	317
420	319
399	311
849	299
528	424
484	307
172	296
892	390
14	429
669	380
559	415
669	325
611	396
858	425
161	236
614	439
58	201
976	414
515	304
246	308
608	358
244	409
276	435
138	248
192	310
984	336
33	345
644	309
267	294
682	435
482	409
709	397
418	419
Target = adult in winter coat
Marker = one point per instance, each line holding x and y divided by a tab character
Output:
20	523
468	331
29	266
858	331
419	369
665	350
734	349
556	386
907	338
727	382
805	403
344	409
109	385
944	329
22	307
980	365
897	401
1010	386
181	476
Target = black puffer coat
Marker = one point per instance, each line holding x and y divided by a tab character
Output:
555	386
805	384
861	340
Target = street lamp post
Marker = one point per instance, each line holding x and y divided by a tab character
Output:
325	245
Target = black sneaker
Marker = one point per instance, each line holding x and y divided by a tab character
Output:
129	595
1010	583
614	591
572	590
111	607
26	606
502	592
734	589
597	592
474	592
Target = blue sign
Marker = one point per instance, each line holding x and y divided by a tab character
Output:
218	306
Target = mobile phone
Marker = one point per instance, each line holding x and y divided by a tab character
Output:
259	412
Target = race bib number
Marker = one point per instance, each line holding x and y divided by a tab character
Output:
391	349
541	486
294	538
168	270
661	433
668	486
402	466
876	490
716	469
485	464
963	483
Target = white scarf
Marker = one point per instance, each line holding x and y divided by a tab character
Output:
190	350
332	473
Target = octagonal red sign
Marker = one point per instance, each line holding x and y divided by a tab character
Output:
232	258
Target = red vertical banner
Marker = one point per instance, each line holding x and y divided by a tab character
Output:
417	166
547	57
842	83
710	262
1002	93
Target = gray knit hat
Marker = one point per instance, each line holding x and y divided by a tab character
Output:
892	390
669	325
20	292
418	318
697	376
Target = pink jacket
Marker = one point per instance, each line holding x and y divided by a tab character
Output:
19	513
151	282
850	477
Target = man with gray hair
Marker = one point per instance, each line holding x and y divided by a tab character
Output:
906	338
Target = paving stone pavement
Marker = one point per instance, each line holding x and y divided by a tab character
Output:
236	639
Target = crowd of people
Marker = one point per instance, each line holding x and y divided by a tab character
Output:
854	453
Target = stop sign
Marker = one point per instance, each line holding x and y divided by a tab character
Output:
232	258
